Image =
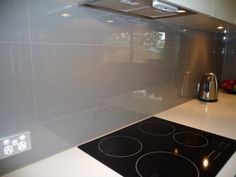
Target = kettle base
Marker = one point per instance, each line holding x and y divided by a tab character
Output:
211	101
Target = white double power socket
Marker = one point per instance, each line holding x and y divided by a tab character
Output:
15	144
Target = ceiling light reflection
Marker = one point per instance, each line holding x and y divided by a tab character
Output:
66	15
176	151
205	163
110	21
220	27
181	11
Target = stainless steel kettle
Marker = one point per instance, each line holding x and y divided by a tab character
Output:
208	90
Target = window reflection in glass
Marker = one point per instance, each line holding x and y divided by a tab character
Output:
135	47
122	38
153	45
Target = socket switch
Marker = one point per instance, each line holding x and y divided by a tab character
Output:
15	144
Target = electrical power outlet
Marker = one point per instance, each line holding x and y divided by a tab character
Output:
15	144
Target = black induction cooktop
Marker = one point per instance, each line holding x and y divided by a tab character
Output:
159	148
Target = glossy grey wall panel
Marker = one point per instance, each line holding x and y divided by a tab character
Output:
70	79
121	116
84	26
14	21
64	75
89	74
57	137
17	102
229	70
82	127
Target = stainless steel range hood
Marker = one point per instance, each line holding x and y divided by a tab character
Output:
146	8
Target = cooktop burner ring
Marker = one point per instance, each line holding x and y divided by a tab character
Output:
190	141
156	128
118	143
180	157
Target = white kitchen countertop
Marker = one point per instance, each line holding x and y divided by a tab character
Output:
218	118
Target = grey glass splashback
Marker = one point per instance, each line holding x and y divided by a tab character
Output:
229	71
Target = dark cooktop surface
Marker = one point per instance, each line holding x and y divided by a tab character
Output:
158	148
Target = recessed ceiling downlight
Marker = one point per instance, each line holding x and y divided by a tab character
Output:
181	11
220	27
129	2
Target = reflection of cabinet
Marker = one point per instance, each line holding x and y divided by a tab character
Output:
225	10
221	9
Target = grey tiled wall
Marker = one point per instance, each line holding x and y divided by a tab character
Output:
70	79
